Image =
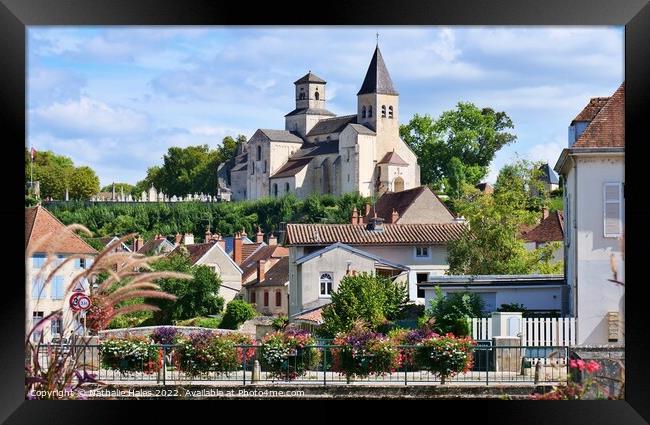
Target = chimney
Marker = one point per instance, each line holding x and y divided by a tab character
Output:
273	240
243	233
221	242
355	216
188	239
237	248
178	239
261	264
137	243
375	224
394	217
259	236
544	213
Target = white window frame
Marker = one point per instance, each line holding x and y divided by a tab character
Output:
620	209
327	294
415	252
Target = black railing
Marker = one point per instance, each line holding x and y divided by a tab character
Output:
491	364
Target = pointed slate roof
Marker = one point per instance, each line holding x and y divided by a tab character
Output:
310	78
377	77
548	175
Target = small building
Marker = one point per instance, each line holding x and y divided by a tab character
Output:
537	293
270	288
157	246
46	235
550	229
548	178
108	240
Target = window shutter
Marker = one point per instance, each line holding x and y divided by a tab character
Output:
612	211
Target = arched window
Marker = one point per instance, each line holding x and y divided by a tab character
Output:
390	112
363	112
383	111
259	152
286	187
370	111
326	284
278	298
398	185
317	95
301	96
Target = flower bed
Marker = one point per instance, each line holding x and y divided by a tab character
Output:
408	337
288	355
130	354
445	355
205	351
361	352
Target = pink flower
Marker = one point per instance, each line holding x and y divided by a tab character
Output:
592	366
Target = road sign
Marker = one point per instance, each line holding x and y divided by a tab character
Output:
79	287
84	302
74	301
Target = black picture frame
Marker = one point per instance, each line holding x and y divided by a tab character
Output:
16	15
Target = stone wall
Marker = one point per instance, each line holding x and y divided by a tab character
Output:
610	377
148	330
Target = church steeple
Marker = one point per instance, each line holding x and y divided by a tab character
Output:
377	77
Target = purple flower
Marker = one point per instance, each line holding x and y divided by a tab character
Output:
164	335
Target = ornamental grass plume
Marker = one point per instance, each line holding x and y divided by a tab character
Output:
56	370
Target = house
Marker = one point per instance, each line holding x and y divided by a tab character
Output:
593	168
486	188
265	280
159	245
319	152
121	247
46	235
537	293
550	229
212	254
321	254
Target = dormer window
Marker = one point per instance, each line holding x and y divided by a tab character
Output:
370	111
390	112
383	111
363	112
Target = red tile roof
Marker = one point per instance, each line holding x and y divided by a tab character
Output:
593	107
399	201
195	251
392	158
153	246
392	234
548	230
315	316
277	275
249	266
607	129
39	223
247	249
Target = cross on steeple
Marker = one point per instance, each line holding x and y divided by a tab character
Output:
377	39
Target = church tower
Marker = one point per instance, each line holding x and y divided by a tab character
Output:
310	105
378	102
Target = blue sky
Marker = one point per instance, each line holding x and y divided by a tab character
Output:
116	98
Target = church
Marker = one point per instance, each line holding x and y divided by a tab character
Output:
320	152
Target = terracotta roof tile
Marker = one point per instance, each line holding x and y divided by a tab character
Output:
400	201
277	275
392	234
249	265
315	316
39	222
592	108
153	246
607	129
196	251
548	230
248	248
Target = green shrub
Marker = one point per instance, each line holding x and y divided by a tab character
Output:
280	323
130	354
237	312
204	351
452	314
208	322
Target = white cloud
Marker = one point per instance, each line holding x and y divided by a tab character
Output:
546	152
89	117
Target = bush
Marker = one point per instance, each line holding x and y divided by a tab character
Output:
237	312
130	354
445	355
208	322
362	352
405	337
288	355
451	314
280	323
205	351
165	335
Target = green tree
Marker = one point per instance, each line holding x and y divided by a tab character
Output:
237	312
84	183
471	134
229	146
451	313
493	245
369	297
126	187
51	170
196	297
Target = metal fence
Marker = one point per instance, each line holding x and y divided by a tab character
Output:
491	365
